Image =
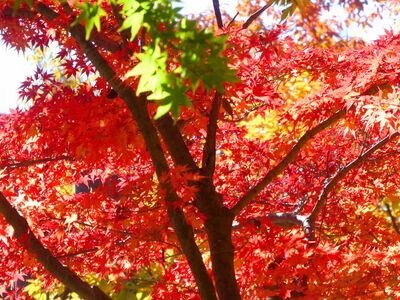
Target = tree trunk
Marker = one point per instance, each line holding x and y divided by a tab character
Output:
219	231
192	253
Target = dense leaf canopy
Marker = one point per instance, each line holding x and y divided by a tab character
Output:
158	156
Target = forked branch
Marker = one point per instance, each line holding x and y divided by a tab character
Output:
138	109
291	156
308	221
328	187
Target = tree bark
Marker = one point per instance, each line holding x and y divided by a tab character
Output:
219	232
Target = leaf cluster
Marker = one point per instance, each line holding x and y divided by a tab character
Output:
177	56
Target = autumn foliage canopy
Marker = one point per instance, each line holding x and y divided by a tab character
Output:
163	157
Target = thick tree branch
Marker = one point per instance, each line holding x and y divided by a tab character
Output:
218	15
175	144
272	174
137	106
254	16
27	163
35	248
328	187
308	221
208	163
104	42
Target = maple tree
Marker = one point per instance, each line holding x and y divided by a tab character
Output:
155	157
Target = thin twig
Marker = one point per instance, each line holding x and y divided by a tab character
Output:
278	219
392	218
28	163
245	114
233	20
256	15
